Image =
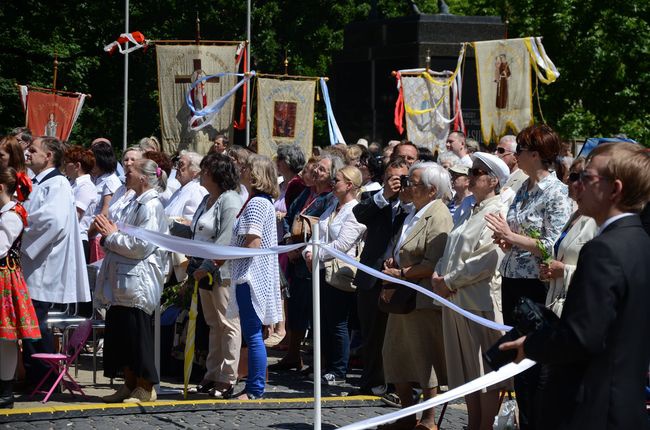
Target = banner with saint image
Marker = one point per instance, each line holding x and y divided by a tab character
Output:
179	66
50	113
285	114
426	102
504	84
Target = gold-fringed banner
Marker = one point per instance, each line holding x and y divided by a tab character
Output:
179	66
426	104
504	84
285	114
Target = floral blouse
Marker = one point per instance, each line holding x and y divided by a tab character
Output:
544	209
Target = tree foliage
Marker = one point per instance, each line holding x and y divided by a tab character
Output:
601	49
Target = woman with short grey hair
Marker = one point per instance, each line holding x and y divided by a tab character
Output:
413	350
183	203
130	282
434	176
292	155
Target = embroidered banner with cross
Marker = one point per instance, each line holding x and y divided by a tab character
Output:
178	67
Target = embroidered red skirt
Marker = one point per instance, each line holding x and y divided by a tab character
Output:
17	317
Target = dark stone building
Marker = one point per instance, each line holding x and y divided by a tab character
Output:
364	90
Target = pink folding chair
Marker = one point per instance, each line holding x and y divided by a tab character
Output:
60	363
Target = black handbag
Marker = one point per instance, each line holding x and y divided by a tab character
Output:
397	299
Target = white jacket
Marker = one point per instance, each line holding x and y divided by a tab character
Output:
132	272
53	260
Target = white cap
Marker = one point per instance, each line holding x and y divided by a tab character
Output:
495	164
362	142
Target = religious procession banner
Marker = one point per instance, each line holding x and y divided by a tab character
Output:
426	102
503	68
285	114
179	66
49	113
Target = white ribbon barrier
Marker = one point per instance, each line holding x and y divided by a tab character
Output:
220	252
199	249
479	320
507	371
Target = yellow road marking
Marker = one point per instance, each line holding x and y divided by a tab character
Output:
123	406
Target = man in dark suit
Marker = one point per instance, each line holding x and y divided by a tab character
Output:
597	355
381	213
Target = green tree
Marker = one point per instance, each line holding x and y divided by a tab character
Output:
601	49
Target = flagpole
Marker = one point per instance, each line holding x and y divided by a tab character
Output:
126	80
248	69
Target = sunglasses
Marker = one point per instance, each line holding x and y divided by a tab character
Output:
574	176
475	171
521	149
502	151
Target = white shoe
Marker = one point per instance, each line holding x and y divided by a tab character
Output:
141	395
122	393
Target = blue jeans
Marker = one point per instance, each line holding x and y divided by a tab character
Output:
336	306
251	328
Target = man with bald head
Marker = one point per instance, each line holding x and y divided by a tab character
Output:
456	144
506	150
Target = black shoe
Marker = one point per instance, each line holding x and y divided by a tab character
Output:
226	393
6	395
202	388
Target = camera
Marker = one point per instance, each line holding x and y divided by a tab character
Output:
528	317
404	181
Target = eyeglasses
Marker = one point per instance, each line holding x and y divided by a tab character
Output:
475	171
584	175
502	151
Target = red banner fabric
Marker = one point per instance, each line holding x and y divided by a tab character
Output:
51	114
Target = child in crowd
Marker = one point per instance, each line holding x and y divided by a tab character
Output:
17	317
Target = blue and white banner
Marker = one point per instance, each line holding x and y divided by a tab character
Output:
203	117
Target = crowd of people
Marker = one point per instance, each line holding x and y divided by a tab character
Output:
481	229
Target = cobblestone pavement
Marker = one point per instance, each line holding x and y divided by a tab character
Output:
289	418
170	412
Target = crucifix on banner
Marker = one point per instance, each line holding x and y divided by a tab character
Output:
199	94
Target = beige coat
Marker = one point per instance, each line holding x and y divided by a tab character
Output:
580	233
471	259
413	344
425	244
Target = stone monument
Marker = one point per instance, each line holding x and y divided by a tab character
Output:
364	92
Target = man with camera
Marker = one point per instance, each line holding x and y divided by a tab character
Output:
597	354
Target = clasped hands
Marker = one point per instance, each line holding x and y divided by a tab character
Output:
104	226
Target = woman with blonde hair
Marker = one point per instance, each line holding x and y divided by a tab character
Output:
339	228
256	279
579	230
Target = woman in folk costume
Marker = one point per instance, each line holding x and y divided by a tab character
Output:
17	317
